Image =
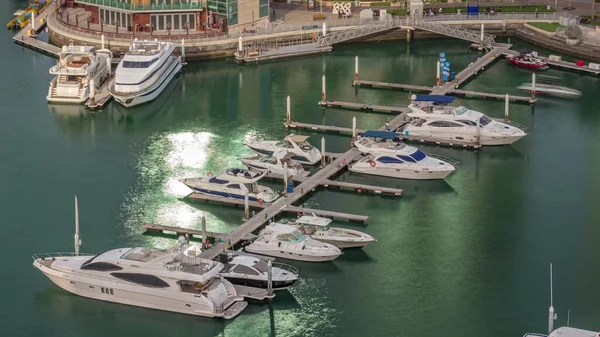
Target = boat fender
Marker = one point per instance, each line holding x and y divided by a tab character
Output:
372	163
260	201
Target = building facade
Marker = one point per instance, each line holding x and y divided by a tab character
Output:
176	15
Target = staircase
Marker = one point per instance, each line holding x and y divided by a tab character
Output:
454	31
368	28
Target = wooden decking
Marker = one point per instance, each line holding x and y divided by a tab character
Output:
23	37
102	97
190	231
280	53
363	107
319	127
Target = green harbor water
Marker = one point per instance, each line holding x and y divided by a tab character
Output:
467	256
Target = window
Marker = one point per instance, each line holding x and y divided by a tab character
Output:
407	159
142	279
389	160
444	124
241	269
467	122
264	8
153	21
102	290
100	266
112	292
236	186
176	20
484	120
418	155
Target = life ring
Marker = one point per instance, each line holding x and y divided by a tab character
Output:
260	201
372	163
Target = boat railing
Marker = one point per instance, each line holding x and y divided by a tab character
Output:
305	248
55	255
448	160
285	267
511	123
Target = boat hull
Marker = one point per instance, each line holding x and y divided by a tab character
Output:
399	173
244	281
343	243
299	158
154	91
268	251
531	65
257	166
94	288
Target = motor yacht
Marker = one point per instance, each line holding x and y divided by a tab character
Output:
551	90
145	71
433	118
302	151
252	271
275	164
319	228
395	159
159	279
284	241
76	70
233	183
527	60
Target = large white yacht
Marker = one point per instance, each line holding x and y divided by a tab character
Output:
433	118
145	71
76	69
390	158
275	164
319	228
279	240
303	152
146	277
233	183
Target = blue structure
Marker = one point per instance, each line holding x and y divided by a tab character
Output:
446	71
473	10
441	99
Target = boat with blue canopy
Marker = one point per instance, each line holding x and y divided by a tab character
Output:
440	99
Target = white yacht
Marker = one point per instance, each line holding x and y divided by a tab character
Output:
565	331
76	69
251	271
318	228
551	90
275	164
145	71
233	183
303	152
433	118
166	280
286	242
395	159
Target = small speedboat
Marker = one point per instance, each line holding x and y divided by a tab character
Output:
275	164
232	183
284	241
251	271
302	151
318	228
527	60
551	90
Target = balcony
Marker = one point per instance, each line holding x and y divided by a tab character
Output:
154	5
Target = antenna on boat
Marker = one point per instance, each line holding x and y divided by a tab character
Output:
551	314
76	236
568	317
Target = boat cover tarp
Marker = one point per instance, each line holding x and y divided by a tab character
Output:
380	134
435	98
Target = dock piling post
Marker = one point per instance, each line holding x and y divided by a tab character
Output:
324	28
76	236
323	92
92	92
322	152
533	86
102	41
288	112
482	34
240	44
183	50
32	22
353	129
478	132
269	278
506	108
438	71
246	206
356	70
285	178
203	232
108	68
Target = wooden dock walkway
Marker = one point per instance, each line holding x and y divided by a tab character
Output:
363	107
322	128
154	228
561	64
103	96
281	53
23	37
257	294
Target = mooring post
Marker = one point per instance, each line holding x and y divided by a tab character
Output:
92	92
246	206
438	71
504	27
478	132
324	28
532	87
482	33
506	108
353	129
269	278
323	93
288	112
356	70
322	152
240	45
285	178
32	22
102	41
108	67
183	50
203	221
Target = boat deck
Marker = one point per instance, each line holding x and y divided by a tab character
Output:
102	97
257	294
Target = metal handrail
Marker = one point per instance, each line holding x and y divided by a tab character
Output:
285	267
39	256
448	160
192	5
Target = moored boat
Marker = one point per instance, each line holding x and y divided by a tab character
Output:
550	90
275	164
319	229
527	60
302	151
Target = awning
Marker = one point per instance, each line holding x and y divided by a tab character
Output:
435	98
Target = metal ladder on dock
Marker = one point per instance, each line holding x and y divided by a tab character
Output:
371	27
453	31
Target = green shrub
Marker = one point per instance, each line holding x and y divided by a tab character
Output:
547	26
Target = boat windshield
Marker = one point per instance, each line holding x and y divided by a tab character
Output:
461	110
285	143
142	254
484	120
295	237
418	121
269	160
252	187
305	146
